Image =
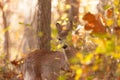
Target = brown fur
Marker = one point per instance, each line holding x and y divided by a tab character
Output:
44	65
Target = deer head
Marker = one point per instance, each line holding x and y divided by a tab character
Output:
63	31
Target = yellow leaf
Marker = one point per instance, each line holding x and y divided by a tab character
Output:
5	7
109	22
118	22
106	7
116	55
40	34
6	29
88	58
101	47
64	16
116	2
118	48
75	67
116	10
78	74
80	56
67	7
59	46
95	67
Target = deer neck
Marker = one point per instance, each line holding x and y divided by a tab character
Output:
69	52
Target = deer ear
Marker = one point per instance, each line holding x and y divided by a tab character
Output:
59	27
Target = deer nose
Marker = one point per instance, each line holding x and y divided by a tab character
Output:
65	46
59	39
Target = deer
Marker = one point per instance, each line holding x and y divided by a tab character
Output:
48	65
43	65
63	31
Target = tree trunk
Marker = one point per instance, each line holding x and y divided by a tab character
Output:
74	11
43	24
6	34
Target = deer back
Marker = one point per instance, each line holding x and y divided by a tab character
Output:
44	65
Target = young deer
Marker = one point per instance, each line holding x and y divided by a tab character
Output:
47	65
44	65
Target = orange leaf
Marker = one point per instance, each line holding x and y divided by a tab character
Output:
110	13
94	23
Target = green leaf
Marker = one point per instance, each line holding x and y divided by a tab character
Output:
90	77
106	7
21	23
110	46
74	60
59	46
28	24
40	34
61	78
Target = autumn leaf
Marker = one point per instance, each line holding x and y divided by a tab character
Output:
117	30
5	7
95	23
109	22
40	34
110	46
14	62
61	78
21	23
116	2
6	29
89	17
67	7
110	13
118	22
78	74
106	7
89	26
95	67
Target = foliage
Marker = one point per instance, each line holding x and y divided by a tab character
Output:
7	72
98	56
104	61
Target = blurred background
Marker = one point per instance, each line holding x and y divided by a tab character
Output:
99	55
20	13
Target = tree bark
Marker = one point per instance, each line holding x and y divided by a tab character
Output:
6	34
43	24
74	11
